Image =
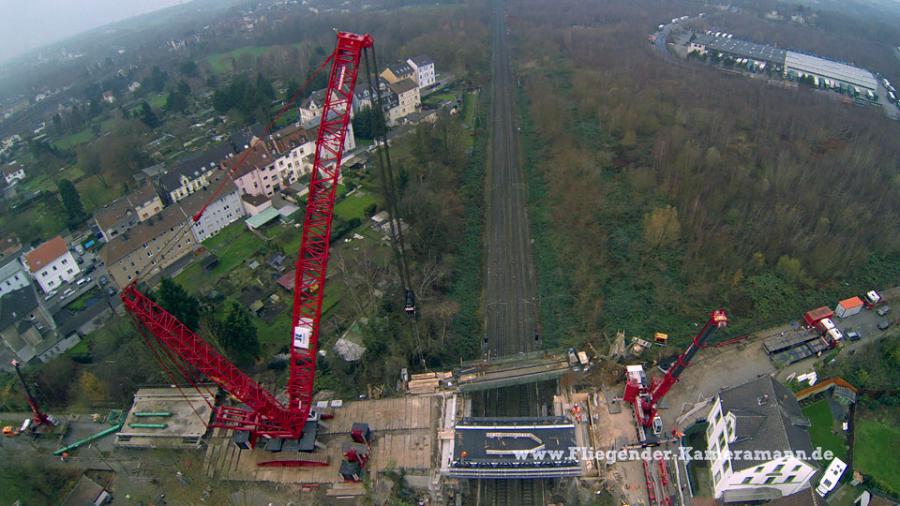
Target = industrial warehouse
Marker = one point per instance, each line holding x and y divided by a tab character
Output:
820	72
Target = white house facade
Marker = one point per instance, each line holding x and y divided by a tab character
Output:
52	264
12	276
761	417
424	70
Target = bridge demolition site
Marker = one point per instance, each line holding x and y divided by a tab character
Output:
433	432
430	434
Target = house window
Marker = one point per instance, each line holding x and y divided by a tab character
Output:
790	479
722	439
69	271
727	466
770	479
797	467
54	268
758	469
747	480
65	261
717	477
778	468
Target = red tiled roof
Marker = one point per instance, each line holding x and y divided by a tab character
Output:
46	253
287	280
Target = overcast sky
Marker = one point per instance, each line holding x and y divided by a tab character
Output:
30	24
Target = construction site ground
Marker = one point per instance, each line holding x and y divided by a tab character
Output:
405	432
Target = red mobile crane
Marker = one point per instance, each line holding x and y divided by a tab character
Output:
644	397
38	417
262	414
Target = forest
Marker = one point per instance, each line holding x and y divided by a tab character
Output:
672	190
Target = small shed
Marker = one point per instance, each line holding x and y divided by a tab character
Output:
264	217
256	307
286	281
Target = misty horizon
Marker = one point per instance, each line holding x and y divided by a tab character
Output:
40	23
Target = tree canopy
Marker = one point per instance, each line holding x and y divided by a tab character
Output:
183	306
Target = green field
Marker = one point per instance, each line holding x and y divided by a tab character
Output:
220	63
822	431
72	140
354	206
875	452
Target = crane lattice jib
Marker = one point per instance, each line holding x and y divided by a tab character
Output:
265	415
312	261
717	319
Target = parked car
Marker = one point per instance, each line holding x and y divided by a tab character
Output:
111	291
884	324
883	310
103	280
853	335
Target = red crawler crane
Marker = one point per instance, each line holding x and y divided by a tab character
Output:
38	417
644	398
263	415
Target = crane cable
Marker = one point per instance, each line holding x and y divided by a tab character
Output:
389	186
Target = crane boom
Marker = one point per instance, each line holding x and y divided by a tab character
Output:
38	417
645	397
717	319
312	262
264	415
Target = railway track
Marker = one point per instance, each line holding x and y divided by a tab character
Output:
510	283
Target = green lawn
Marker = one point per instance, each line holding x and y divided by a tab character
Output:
233	245
158	100
354	206
276	334
74	139
95	195
220	63
823	432
875	452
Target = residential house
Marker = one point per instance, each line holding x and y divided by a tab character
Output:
189	175
24	323
424	70
121	214
134	86
255	204
311	107
12	173
364	96
254	171
311	116
109	97
219	213
397	72
403	100
51	264
761	415
294	148
13	275
149	247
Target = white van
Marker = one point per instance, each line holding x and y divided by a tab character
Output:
831	477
